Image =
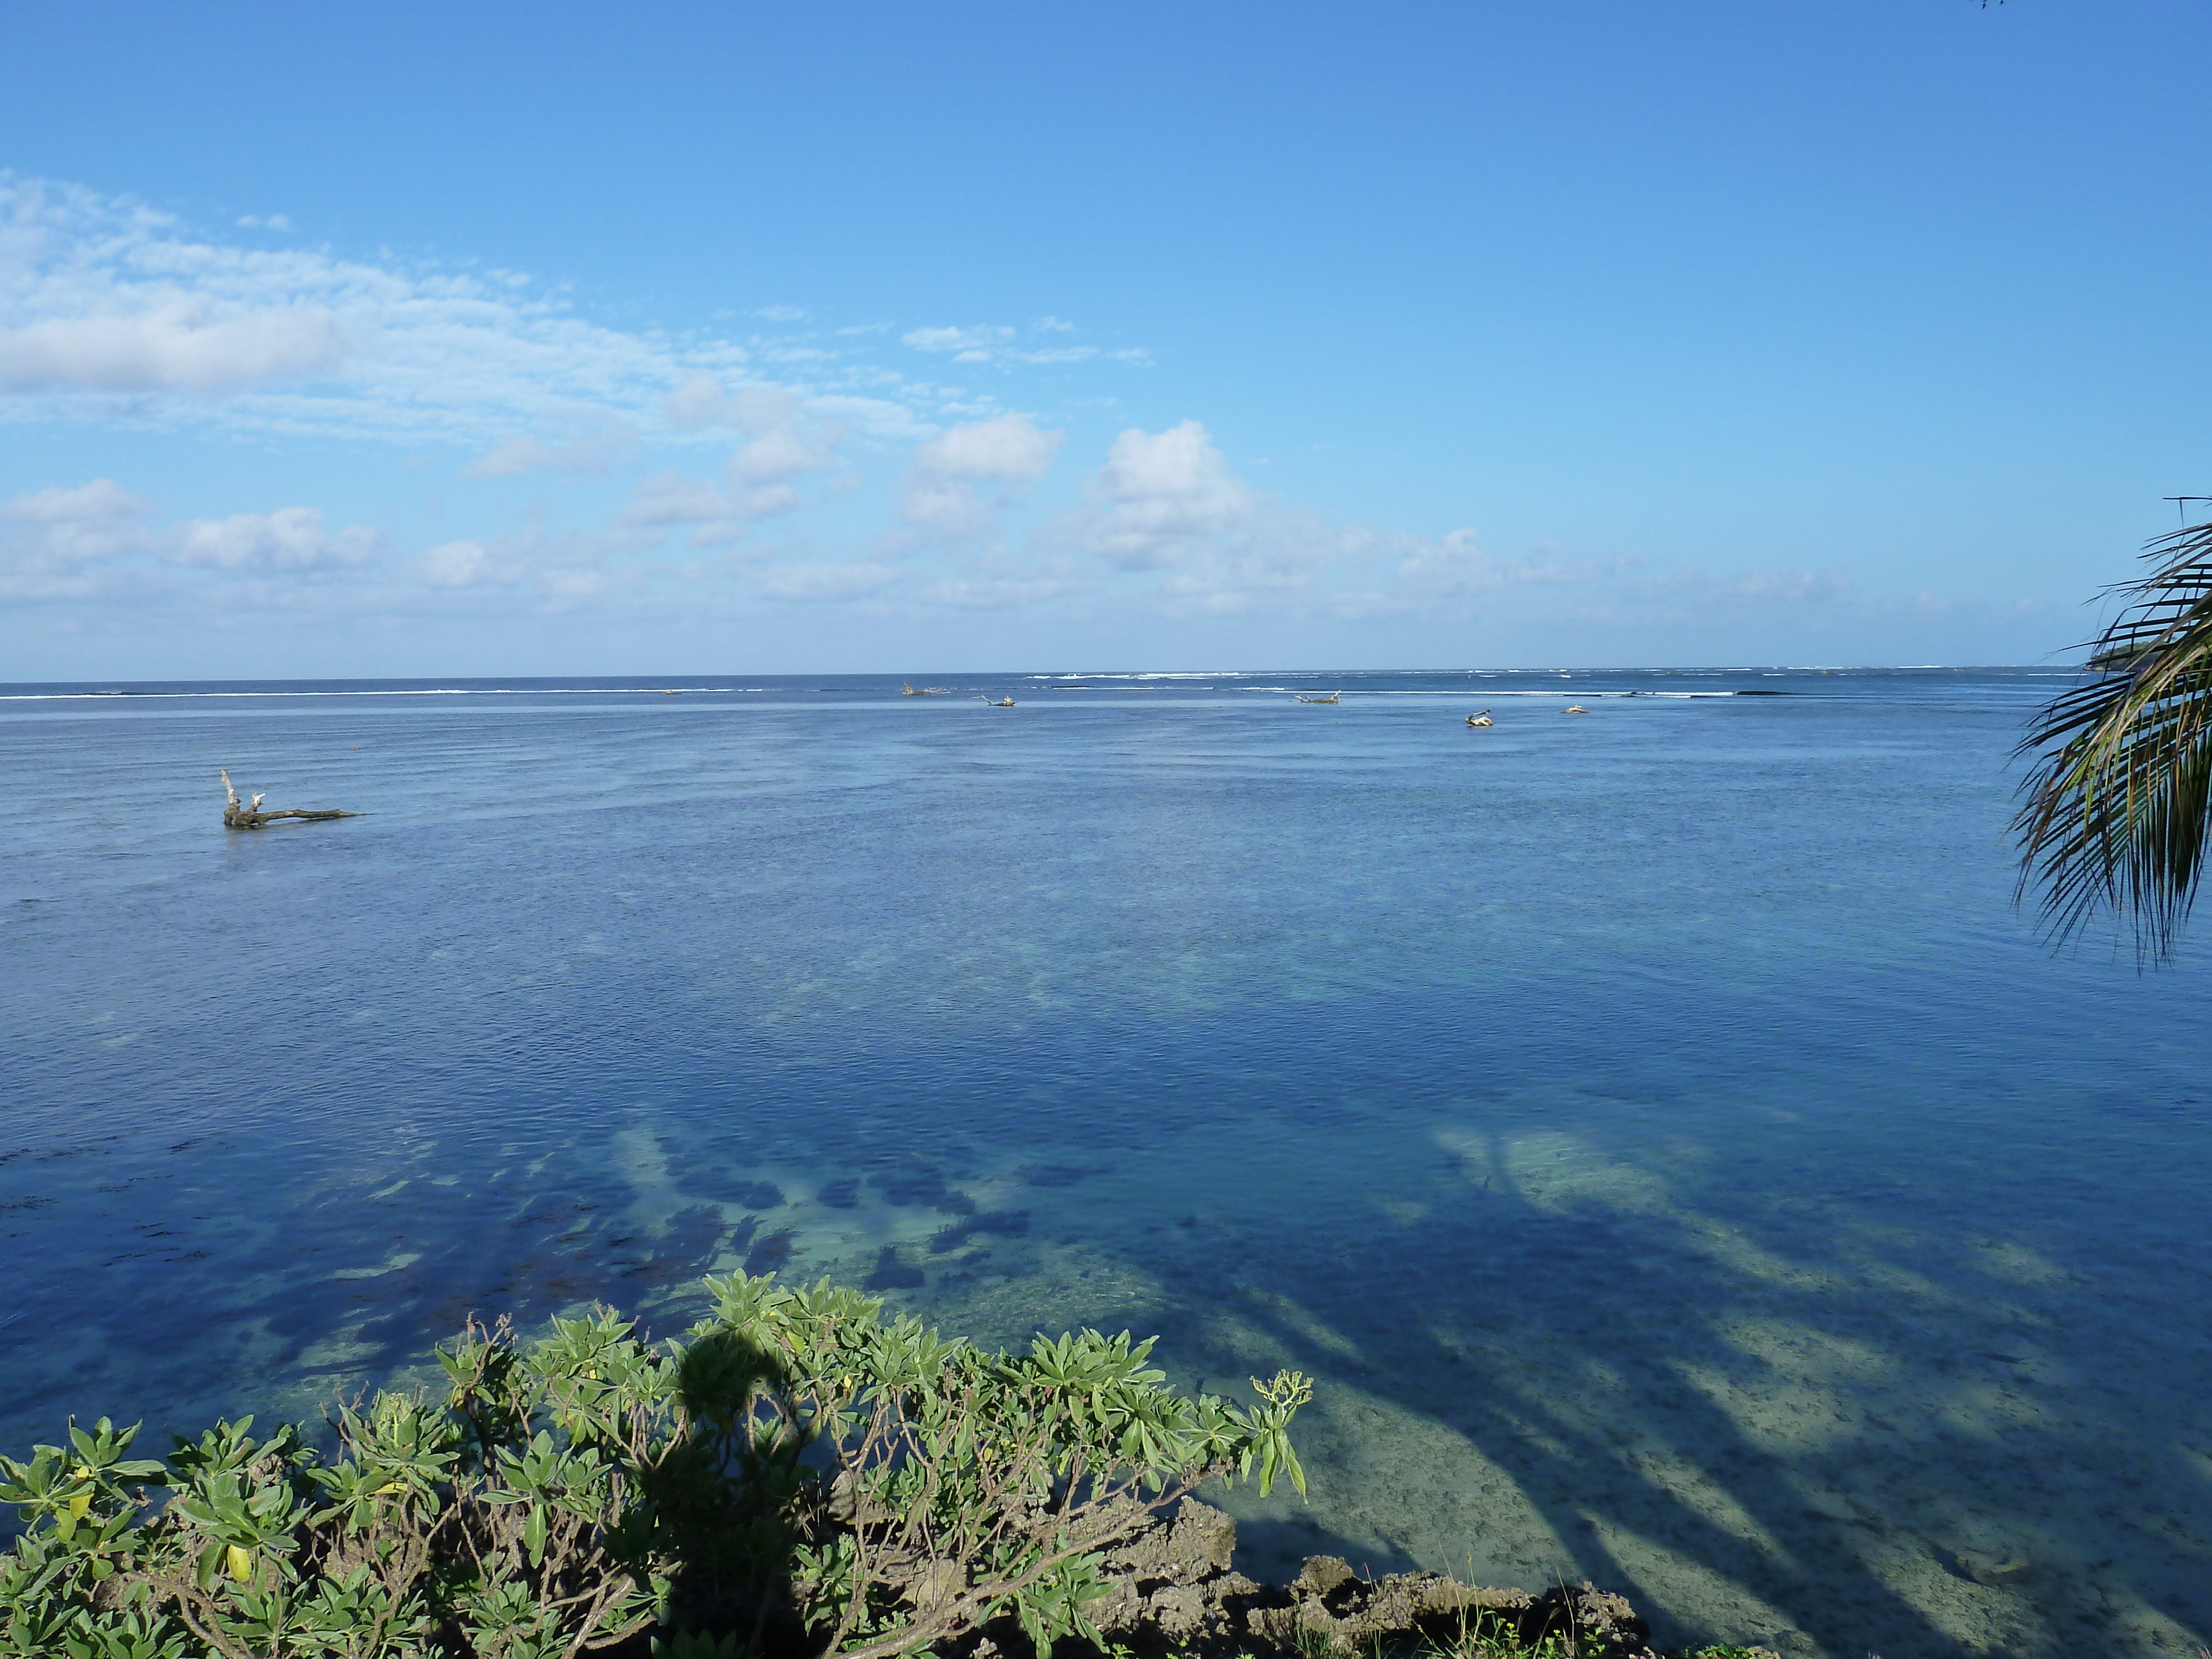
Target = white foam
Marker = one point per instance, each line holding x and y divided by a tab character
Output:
1487	691
438	691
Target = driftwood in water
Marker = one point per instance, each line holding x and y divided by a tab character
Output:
249	816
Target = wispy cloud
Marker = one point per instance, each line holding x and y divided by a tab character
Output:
517	456
826	584
1630	592
666	499
999	342
975	343
116	312
468	564
1167	508
701	400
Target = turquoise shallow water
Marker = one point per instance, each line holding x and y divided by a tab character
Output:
1656	1130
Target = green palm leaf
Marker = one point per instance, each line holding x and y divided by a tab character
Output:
2118	806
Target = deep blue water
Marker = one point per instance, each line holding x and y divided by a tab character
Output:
1657	1130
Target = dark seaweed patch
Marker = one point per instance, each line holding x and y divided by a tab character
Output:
691	1240
914	1183
893	1273
771	1252
1008	1223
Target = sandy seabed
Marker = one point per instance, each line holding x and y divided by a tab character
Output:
1535	1361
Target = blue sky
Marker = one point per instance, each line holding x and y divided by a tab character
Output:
509	340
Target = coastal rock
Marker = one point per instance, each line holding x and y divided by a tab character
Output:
1197	1542
1177	1611
1322	1575
1173	1589
1976	1568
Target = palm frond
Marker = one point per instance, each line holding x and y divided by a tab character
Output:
2118	814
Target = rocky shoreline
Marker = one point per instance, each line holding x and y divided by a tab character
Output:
1176	1591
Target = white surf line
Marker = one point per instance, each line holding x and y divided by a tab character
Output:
1486	692
443	692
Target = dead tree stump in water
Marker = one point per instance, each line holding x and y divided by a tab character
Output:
251	816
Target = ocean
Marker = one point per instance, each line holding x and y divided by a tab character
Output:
1656	1129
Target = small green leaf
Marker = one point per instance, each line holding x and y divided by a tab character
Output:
533	1535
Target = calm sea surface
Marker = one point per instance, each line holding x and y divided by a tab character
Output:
1656	1130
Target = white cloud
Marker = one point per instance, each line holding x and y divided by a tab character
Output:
1689	592
94	539
972	344
101	295
555	569
181	345
696	402
760	480
61	543
519	455
670	498
995	343
1274	562
290	540
757	409
699	401
1168	501
999	592
98	520
466	564
1009	447
762	476
1162	492
573	584
776	454
824	583
1455	567
114	311
766	500
945	506
937	493
1788	587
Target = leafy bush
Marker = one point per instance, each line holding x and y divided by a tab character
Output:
800	1472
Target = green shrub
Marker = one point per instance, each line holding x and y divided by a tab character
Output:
800	1470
